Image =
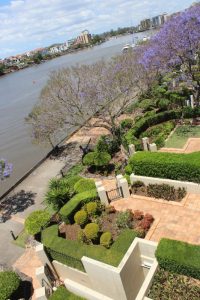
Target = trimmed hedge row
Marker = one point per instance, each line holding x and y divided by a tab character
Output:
179	257
70	252
67	211
184	167
83	185
144	123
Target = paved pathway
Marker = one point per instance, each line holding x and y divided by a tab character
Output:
173	220
19	206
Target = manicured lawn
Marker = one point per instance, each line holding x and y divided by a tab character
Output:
63	294
21	239
181	135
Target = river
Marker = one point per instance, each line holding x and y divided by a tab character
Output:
19	92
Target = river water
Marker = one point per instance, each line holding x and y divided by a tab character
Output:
19	92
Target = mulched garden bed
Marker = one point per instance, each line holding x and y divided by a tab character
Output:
112	221
172	286
159	191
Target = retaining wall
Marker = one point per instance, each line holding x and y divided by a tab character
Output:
189	186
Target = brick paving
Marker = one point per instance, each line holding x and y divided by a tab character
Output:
172	220
27	264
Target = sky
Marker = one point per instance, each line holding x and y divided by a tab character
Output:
30	24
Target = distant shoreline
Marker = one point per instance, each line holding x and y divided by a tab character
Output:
17	69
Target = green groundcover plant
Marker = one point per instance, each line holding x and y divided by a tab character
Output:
9	283
63	294
36	220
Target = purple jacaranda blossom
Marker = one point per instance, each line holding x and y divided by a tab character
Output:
5	168
176	43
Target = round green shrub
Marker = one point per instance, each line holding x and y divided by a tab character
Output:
84	185
91	208
36	220
9	283
106	239
91	231
98	159
81	217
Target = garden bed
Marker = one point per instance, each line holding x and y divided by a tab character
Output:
159	191
167	285
108	220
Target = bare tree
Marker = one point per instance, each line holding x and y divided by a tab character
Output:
73	95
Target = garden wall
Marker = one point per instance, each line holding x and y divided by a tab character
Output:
73	274
189	186
130	280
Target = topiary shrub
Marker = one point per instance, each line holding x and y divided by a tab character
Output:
68	210
91	231
81	217
91	208
9	283
106	239
84	185
36	220
97	159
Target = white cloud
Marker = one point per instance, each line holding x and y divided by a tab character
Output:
26	24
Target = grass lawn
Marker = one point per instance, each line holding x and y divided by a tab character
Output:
179	138
21	239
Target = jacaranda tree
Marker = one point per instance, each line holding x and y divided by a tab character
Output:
176	48
5	168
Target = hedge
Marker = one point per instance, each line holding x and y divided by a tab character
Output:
184	167
67	211
179	257
144	123
98	159
63	294
9	283
84	184
70	252
36	220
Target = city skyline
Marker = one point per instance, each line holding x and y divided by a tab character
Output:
27	24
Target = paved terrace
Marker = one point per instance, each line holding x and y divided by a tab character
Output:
175	220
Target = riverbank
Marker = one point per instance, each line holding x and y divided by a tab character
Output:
21	90
21	66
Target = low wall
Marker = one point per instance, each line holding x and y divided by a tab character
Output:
130	280
66	272
189	186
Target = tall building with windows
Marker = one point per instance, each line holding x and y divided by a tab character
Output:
84	37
